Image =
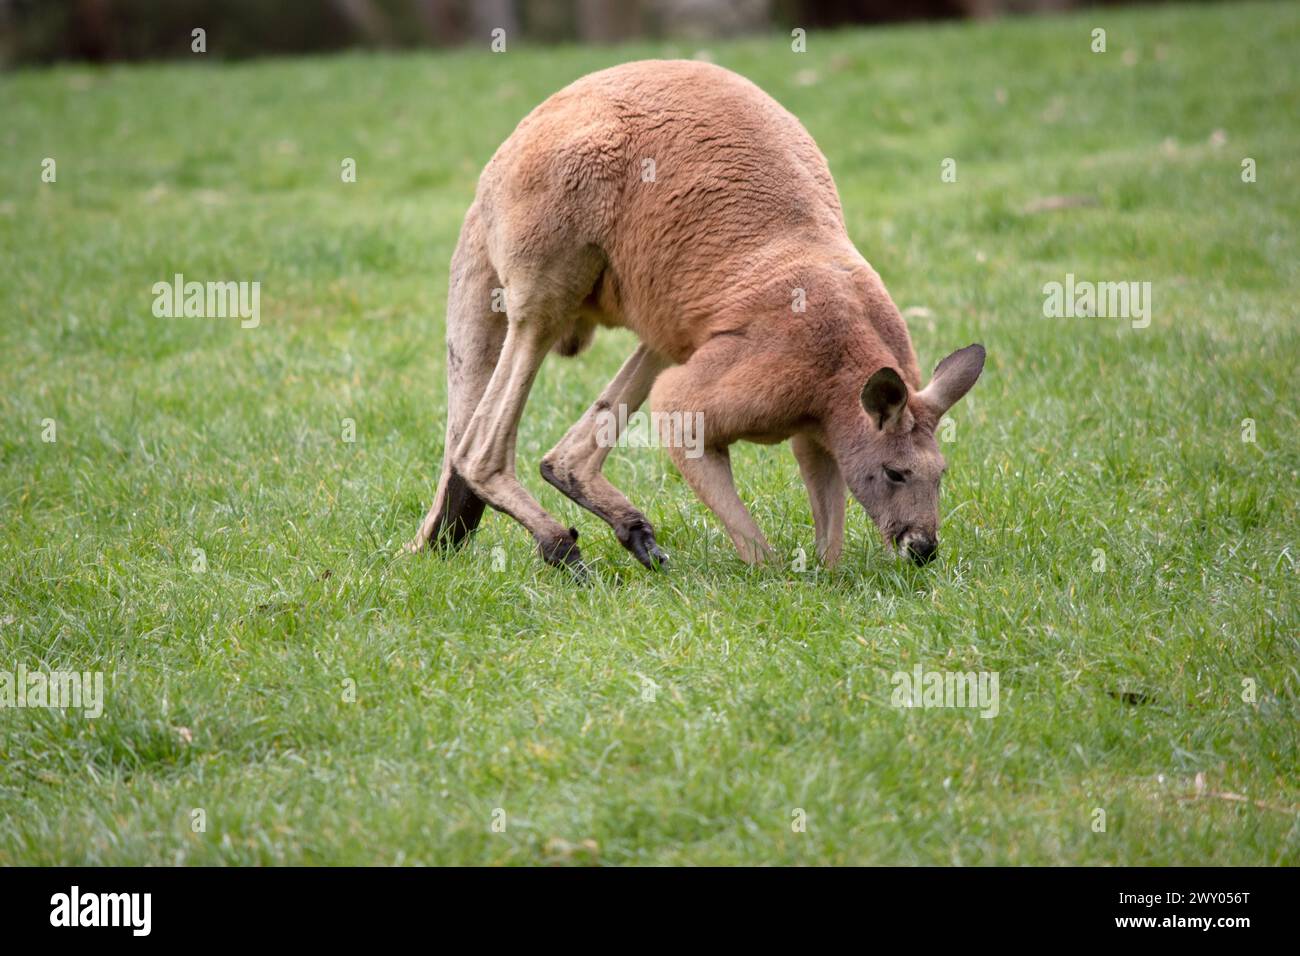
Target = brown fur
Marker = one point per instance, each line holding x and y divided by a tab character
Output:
702	264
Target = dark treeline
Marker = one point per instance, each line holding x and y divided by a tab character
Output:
42	31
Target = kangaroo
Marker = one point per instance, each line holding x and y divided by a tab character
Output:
678	200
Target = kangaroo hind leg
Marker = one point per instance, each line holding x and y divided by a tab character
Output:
574	465
540	305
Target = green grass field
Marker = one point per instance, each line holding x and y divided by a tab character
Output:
481	689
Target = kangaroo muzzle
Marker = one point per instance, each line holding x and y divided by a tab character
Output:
918	546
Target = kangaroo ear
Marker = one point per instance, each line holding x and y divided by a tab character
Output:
884	397
953	378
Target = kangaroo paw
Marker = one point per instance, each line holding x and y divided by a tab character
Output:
562	551
639	538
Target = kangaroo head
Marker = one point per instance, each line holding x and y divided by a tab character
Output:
894	470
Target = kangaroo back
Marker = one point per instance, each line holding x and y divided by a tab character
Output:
691	182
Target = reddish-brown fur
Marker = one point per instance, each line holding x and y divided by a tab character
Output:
702	260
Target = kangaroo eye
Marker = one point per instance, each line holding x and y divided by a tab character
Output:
895	476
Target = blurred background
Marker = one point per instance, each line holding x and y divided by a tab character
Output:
45	31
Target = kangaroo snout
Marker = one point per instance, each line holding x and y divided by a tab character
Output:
918	546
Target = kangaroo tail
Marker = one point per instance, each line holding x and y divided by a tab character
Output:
475	333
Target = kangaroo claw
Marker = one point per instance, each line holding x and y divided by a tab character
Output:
562	552
640	540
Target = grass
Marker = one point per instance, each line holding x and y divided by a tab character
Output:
479	689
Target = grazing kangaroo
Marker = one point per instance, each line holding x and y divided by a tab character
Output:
678	200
